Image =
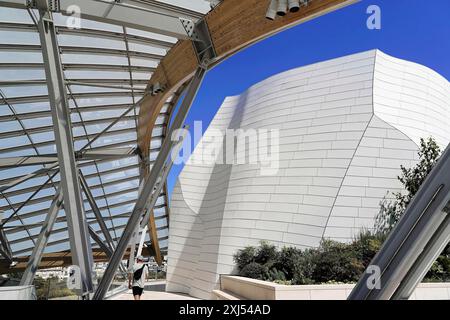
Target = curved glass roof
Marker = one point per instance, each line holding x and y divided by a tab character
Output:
106	68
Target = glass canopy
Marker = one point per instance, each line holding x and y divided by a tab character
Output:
106	69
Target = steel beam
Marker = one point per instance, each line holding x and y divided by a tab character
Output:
415	242
87	32
14	229
103	34
33	187
166	200
63	240
78	232
20	228
13	162
19	205
149	217
106	153
43	211
19	180
5	255
98	215
428	256
41	242
54	259
103	246
97	154
150	186
114	82
98	135
80	138
85	95
5	248
107	67
152	16
16	207
141	242
107	86
84	50
42	114
43	129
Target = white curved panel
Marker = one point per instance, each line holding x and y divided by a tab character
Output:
340	151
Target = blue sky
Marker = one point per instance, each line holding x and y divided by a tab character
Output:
412	30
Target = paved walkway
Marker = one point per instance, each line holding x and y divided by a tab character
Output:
154	290
153	295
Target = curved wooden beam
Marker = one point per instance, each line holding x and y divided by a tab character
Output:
233	25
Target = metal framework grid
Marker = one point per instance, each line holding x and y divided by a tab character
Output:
105	67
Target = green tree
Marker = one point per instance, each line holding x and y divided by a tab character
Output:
411	179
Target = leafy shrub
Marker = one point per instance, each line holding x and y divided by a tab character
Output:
304	266
331	262
336	261
266	254
276	275
254	270
244	257
287	260
259	263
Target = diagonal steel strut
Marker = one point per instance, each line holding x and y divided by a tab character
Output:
150	186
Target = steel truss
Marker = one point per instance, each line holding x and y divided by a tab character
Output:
88	155
148	15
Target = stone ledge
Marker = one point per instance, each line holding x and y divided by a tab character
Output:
252	289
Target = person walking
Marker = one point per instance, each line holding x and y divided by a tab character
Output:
136	279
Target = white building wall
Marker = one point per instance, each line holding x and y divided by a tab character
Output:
412	98
341	144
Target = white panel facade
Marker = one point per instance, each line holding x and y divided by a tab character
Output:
346	125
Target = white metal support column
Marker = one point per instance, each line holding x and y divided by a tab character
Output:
73	206
151	187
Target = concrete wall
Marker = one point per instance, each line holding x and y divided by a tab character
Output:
343	137
251	289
